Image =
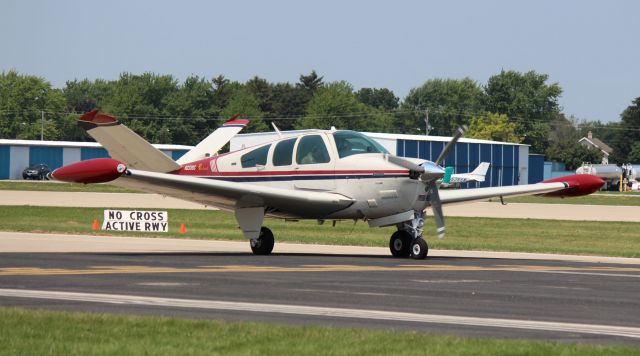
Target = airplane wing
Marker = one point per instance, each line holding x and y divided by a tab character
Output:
211	192
475	194
567	186
233	195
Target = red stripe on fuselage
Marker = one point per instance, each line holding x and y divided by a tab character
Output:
288	173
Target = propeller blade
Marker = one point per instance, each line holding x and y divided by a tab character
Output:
436	207
459	132
405	163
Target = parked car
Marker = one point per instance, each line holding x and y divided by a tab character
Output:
36	171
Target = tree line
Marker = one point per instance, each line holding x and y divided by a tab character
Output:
512	106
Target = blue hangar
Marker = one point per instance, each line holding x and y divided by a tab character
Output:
509	161
16	155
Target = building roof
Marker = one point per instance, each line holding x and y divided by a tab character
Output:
5	142
597	143
389	136
437	138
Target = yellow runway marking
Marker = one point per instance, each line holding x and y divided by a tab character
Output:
94	270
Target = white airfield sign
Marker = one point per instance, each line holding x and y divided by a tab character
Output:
135	220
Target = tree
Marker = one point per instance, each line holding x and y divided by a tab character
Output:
629	134
311	82
528	101
496	127
244	103
572	154
335	104
140	95
607	132
85	95
191	105
634	154
451	103
261	90
288	102
382	98
23	98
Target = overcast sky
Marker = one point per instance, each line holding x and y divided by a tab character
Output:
591	48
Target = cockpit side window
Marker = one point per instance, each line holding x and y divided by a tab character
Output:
312	150
283	153
255	157
352	143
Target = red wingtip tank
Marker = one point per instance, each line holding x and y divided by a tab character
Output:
577	185
98	170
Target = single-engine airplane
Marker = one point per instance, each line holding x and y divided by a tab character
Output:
324	175
455	179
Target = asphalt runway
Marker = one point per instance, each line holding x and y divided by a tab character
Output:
552	299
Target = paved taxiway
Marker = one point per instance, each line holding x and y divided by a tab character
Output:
465	293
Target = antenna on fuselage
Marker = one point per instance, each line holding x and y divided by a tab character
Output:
276	128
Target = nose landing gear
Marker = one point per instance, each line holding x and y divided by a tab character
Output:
408	241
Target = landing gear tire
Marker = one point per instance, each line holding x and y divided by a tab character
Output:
263	245
419	249
400	244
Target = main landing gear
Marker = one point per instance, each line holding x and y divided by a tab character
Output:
408	241
263	245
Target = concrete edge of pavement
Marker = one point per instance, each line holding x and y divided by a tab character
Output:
23	242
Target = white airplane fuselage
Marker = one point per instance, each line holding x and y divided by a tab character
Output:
379	188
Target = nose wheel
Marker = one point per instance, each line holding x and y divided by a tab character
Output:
408	241
419	249
263	245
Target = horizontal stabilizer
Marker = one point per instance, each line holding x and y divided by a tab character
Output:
125	145
215	141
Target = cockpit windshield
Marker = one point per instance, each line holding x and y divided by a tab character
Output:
352	143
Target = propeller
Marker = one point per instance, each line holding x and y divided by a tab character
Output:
430	172
433	193
459	132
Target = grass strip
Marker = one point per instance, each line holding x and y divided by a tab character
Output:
36	332
602	198
621	199
489	234
48	186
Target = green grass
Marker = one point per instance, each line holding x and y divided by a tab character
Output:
63	187
602	198
524	235
35	332
610	198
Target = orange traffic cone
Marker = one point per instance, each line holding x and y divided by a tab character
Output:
95	225
183	229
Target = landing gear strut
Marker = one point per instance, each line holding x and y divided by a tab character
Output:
408	241
263	245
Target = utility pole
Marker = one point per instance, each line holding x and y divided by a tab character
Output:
42	126
427	128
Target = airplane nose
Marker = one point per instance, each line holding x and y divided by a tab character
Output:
432	171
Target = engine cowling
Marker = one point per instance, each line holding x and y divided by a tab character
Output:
577	185
97	170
